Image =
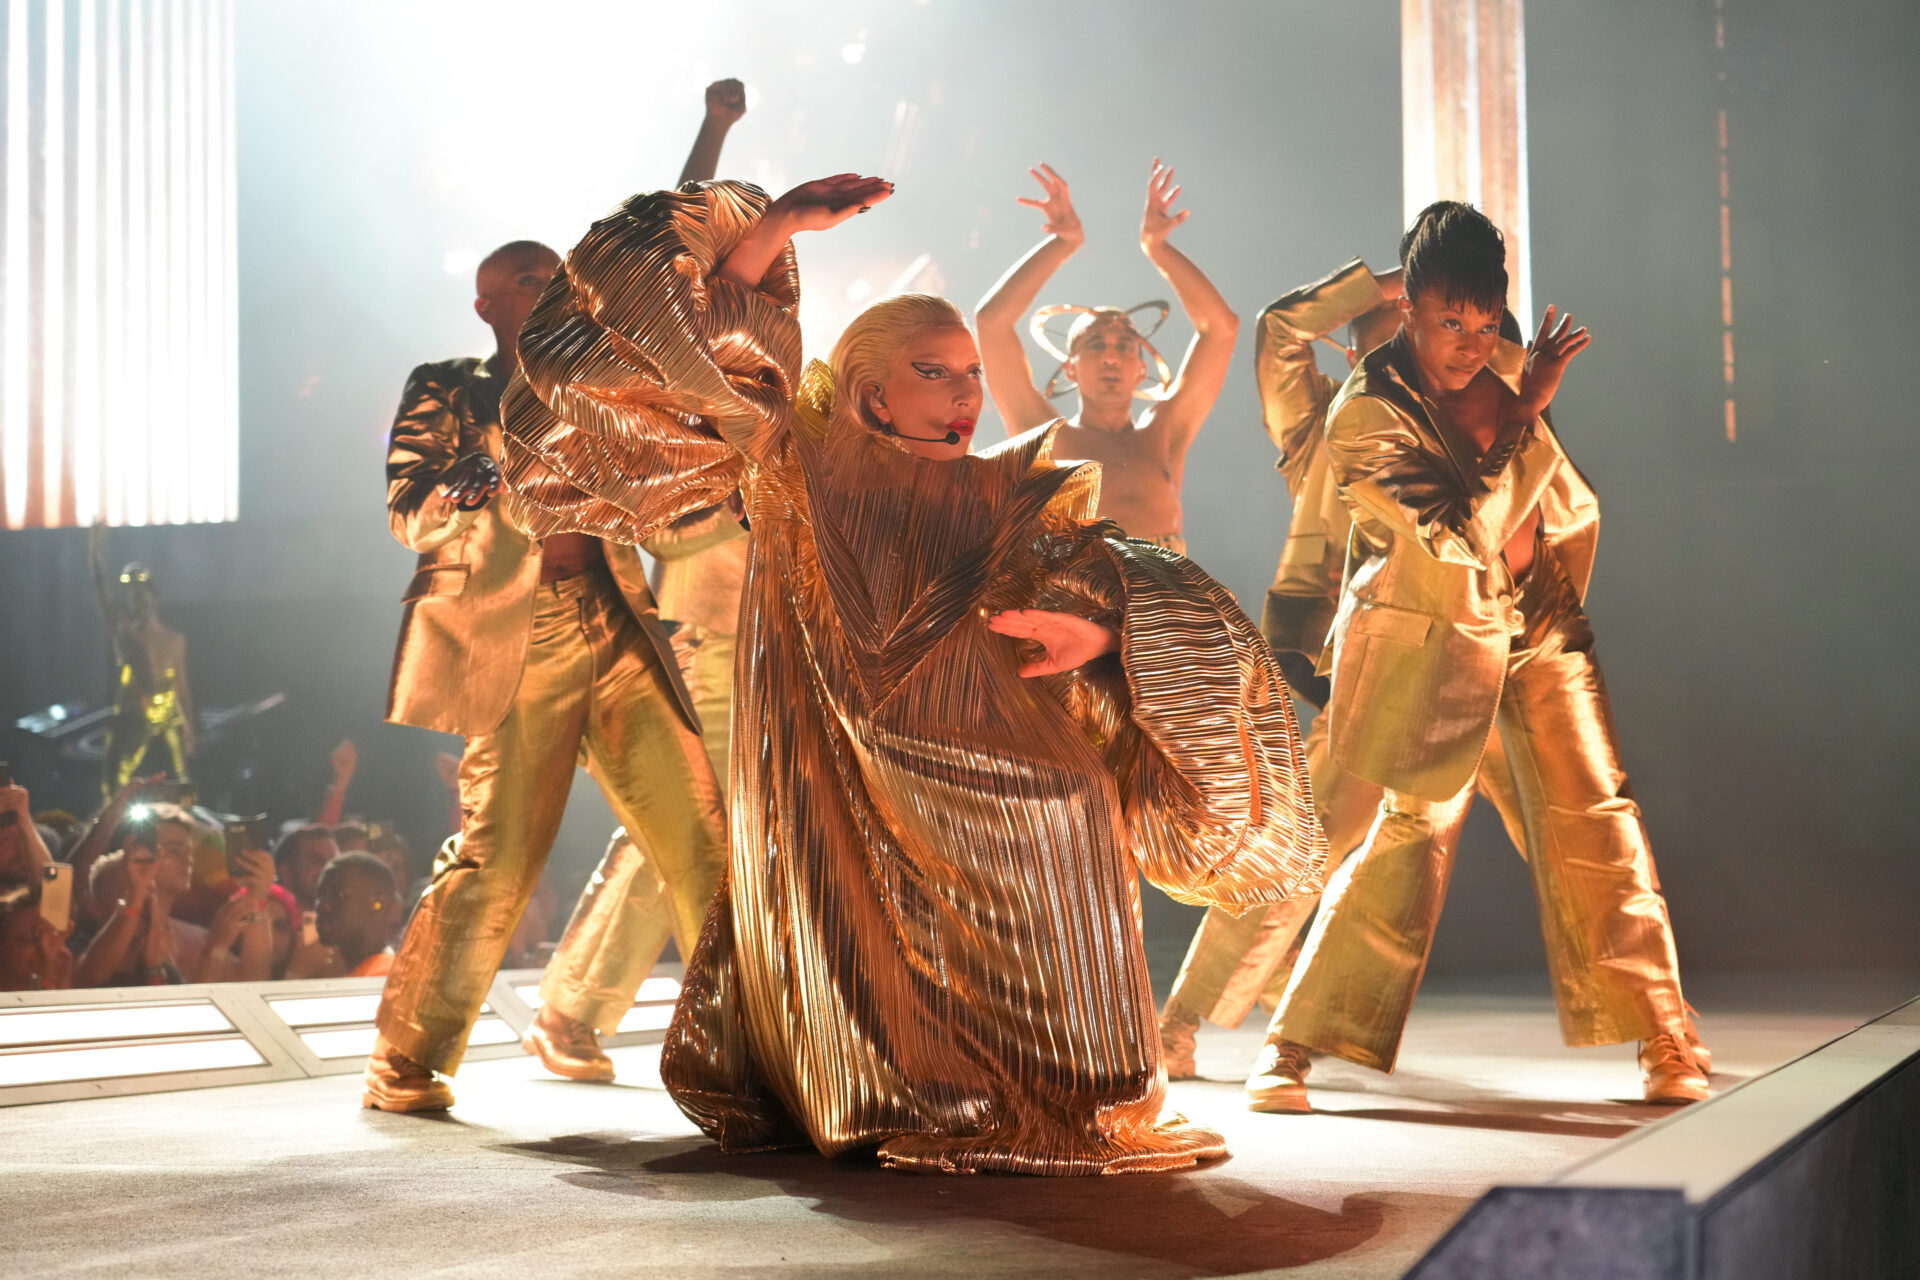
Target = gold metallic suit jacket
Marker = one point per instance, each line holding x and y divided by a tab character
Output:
1427	617
928	942
1294	396
468	612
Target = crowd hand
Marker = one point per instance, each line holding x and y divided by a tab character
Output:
254	872
140	874
1548	355
14	800
471	482
345	759
1057	207
726	101
1159	219
125	798
447	766
234	915
1069	640
316	960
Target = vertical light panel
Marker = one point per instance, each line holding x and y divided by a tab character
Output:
1726	217
1463	95
118	341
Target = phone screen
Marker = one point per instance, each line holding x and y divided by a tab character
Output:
56	897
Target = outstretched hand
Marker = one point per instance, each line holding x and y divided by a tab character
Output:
827	202
811	206
1159	219
1057	206
1069	640
471	482
1548	355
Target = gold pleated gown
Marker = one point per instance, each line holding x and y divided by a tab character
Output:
928	943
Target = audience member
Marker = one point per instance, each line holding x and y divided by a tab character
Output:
357	903
33	952
301	855
139	943
352	837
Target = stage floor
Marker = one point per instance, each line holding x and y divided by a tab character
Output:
532	1176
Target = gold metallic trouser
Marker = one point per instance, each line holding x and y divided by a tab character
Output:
706	665
591	687
1235	962
1609	947
627	911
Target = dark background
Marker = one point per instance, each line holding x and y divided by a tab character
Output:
1752	598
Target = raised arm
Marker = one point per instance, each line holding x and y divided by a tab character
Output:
1203	370
726	103
1294	394
102	578
1003	356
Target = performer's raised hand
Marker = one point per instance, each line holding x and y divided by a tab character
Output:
1069	640
471	482
828	202
811	206
1159	219
1548	355
726	101
1057	206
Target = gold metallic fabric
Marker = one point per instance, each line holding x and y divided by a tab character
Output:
617	932
592	685
700	569
1294	396
468	612
1236	962
1609	946
928	944
1428	611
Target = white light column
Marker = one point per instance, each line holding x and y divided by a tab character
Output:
1463	95
118	371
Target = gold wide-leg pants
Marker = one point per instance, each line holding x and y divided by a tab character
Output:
591	977
1235	962
591	687
1610	949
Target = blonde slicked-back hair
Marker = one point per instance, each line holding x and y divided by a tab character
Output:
866	351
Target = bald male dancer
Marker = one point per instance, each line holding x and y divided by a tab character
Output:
540	652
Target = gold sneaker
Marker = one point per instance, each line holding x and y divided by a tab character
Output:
396	1082
567	1047
1279	1080
1177	1031
1674	1075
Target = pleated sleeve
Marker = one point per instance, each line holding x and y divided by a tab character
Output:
648	385
1199	730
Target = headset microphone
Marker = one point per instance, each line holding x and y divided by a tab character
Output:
952	437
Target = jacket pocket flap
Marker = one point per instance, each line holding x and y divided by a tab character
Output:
1401	625
437	580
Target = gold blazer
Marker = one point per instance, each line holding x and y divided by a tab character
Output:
1420	641
1294	396
468	612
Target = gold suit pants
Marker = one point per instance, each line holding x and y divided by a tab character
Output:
591	688
1610	951
1236	962
706	665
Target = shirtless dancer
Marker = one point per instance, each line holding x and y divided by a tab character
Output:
1143	463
